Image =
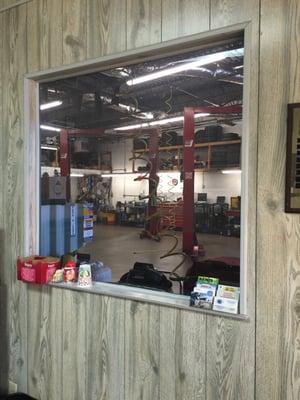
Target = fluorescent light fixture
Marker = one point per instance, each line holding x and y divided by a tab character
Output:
204	60
158	122
238	67
49	147
74	175
231	171
145	115
50	128
130	109
52	104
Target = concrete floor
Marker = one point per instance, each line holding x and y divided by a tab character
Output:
119	247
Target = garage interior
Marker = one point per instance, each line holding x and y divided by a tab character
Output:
113	162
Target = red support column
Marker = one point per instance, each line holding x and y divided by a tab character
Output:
188	183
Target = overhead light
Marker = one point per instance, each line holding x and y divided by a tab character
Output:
231	171
131	109
52	104
74	175
203	60
50	128
158	122
145	115
49	147
238	67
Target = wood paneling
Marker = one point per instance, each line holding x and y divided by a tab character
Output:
103	17
45	319
293	50
4	334
141	351
13	67
144	351
7	4
44	34
75	338
74	30
273	241
230	12
290	381
105	371
143	22
45	332
230	360
182	355
184	17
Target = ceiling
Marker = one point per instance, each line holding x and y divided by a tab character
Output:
106	100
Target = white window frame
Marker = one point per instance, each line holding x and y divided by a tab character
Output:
249	148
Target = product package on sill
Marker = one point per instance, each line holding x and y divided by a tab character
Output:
209	294
37	269
71	268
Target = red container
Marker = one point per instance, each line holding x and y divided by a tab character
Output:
37	269
70	272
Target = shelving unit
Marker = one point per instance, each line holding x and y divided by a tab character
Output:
179	148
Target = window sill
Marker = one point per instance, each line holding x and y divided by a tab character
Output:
146	296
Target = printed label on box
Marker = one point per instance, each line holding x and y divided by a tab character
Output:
225	305
28	274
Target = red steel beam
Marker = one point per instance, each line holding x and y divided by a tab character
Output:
188	182
219	110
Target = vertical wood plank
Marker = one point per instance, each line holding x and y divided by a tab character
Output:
3	285
293	49
288	353
184	17
231	344
143	23
230	359
141	351
105	370
273	243
182	355
74	31
45	343
230	12
75	338
44	34
14	66
45	328
103	17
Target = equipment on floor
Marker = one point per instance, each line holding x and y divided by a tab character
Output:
146	276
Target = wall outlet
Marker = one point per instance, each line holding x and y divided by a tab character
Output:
12	387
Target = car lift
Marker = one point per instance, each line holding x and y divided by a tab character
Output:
190	244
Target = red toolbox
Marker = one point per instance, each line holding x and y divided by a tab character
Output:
37	269
171	214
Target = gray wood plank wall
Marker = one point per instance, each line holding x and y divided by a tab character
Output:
66	345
